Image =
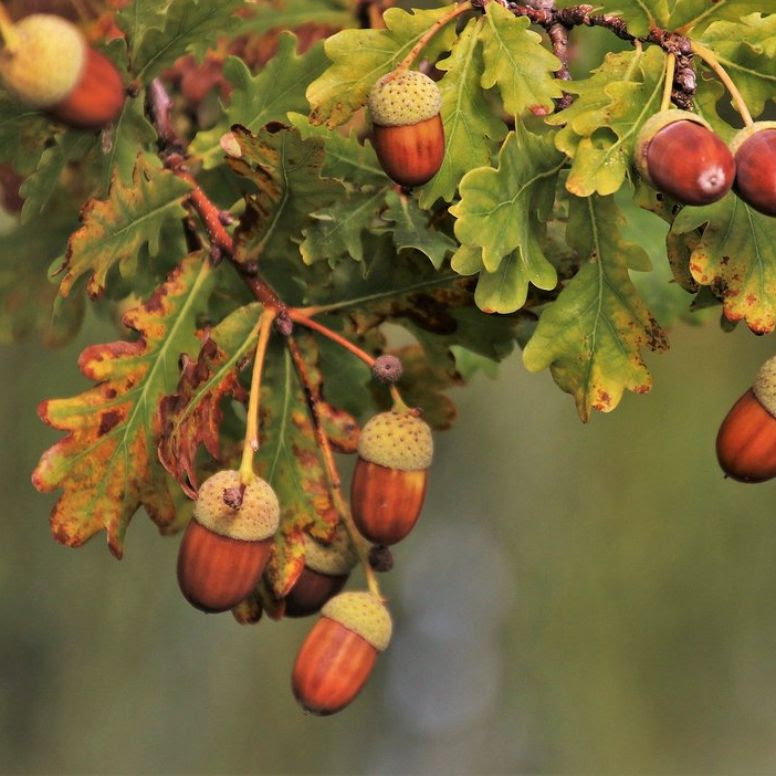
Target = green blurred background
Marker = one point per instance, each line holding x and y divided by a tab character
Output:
575	599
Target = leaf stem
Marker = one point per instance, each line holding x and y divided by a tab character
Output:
296	315
707	55
454	12
8	30
251	443
312	393
665	102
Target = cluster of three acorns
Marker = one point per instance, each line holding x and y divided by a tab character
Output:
229	540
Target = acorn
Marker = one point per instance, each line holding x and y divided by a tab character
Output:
340	651
48	64
228	541
407	133
754	149
390	476
326	570
678	154
746	442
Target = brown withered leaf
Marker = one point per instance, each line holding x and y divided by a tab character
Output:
192	415
107	464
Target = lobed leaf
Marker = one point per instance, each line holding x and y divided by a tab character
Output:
736	257
591	337
114	230
107	465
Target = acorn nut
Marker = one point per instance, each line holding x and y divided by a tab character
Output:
746	442
754	149
326	570
678	154
49	65
390	475
408	135
226	546
340	651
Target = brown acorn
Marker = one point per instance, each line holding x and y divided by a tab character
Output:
391	475
746	442
754	149
340	651
678	154
226	545
49	65
407	134
326	570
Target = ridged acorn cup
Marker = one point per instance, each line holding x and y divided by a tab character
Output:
746	442
407	134
340	651
224	550
678	154
51	66
754	149
390	475
326	570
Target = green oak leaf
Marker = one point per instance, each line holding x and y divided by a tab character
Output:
471	129
23	134
107	465
517	63
286	171
736	256
695	15
747	50
360	57
591	337
411	229
501	211
289	14
344	157
115	229
602	124
279	87
185	27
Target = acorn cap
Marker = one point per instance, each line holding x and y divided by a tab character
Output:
765	385
46	61
362	613
744	134
334	559
397	440
398	100
652	126
256	519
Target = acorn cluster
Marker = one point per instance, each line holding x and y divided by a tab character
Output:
227	544
678	153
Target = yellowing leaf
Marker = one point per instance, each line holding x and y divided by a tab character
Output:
591	337
107	465
736	256
114	230
360	57
518	63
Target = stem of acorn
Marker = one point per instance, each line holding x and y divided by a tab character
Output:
298	316
251	443
7	30
711	60
406	63
665	103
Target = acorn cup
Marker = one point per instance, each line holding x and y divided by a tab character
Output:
338	655
754	149
391	475
408	135
678	154
225	548
746	442
326	570
49	65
